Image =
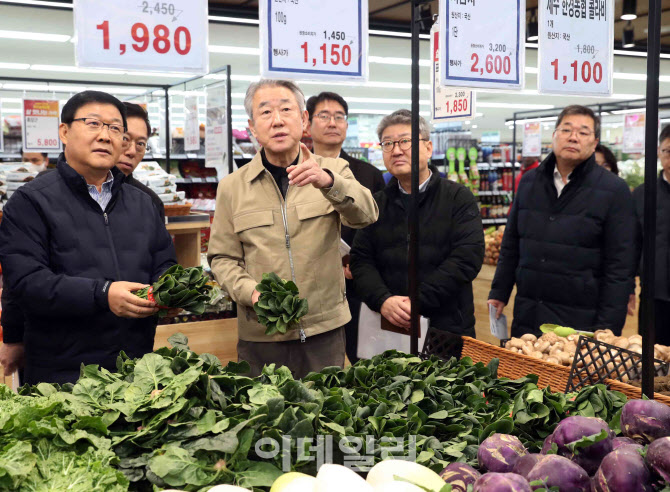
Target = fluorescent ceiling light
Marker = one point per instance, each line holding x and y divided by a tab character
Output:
380	111
237	106
122	90
26	87
39	3
378	100
393	34
15	66
531	120
627	111
513	105
10	100
73	69
474	126
12	111
531	70
34	36
233	50
235	20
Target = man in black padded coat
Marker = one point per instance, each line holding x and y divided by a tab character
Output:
328	125
450	234
569	240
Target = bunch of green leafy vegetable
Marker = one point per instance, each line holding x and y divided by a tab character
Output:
179	287
279	307
174	418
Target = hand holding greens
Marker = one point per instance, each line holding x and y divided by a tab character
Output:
179	287
279	308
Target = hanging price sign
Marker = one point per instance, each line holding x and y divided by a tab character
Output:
633	133
216	129
191	127
482	43
313	39
142	35
40	126
448	103
576	40
532	140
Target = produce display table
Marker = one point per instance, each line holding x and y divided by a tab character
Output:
217	337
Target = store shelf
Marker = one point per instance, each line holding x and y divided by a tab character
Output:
494	221
195	180
493	193
496	165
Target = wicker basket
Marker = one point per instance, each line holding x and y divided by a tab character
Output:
634	392
174	210
514	366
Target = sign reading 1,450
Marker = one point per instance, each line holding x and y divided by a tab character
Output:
162	42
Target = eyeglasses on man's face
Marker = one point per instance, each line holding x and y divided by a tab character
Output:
567	131
325	117
403	144
140	145
94	125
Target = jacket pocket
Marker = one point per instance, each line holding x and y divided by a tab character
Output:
251	220
310	210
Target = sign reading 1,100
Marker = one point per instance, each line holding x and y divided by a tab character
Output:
587	72
162	42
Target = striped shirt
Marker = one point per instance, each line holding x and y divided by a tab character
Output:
102	197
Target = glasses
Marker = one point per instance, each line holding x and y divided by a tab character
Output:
95	126
140	146
403	144
565	132
326	117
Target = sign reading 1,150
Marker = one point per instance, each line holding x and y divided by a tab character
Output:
162	41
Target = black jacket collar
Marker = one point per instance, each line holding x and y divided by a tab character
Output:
549	164
392	189
77	183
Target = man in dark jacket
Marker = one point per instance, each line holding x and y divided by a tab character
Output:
74	248
568	244
451	238
328	126
662	270
135	138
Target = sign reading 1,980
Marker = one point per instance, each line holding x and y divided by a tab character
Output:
576	46
314	39
142	35
482	43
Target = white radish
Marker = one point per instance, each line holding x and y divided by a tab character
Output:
409	471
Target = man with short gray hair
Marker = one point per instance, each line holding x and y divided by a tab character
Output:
269	220
451	238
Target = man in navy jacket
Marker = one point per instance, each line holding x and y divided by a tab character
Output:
76	243
569	240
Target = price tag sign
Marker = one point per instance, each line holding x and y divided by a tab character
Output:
2	140
576	47
40	125
634	134
532	140
313	39
145	35
482	43
448	103
191	127
216	129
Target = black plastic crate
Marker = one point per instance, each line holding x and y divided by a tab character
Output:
442	344
622	364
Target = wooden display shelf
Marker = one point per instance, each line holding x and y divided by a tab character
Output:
187	237
217	337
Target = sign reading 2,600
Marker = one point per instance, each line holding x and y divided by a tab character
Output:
160	38
492	64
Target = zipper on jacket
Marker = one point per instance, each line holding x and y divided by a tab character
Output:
111	245
287	238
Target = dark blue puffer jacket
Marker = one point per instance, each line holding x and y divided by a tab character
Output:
60	252
571	257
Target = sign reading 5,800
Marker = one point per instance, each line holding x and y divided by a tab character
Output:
147	35
313	39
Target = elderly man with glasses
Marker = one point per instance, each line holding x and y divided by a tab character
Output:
569	241
451	239
282	213
74	245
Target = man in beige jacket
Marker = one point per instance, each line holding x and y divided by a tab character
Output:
282	213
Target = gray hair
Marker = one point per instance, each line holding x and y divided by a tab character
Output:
403	117
254	86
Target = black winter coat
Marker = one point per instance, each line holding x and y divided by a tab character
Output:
571	257
60	252
662	266
451	253
367	175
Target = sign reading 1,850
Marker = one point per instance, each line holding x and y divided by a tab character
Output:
161	41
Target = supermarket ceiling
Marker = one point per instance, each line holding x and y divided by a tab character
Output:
236	44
